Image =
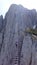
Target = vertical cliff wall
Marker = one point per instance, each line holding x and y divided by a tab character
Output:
17	47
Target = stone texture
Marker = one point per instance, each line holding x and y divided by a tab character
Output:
1	32
18	47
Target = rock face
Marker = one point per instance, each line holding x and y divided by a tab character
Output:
17	47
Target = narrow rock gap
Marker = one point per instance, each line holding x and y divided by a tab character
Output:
20	48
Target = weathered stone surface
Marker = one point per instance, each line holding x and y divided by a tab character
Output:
18	48
1	22
1	32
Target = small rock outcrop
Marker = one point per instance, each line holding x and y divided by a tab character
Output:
17	47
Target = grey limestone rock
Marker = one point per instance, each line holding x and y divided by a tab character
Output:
18	48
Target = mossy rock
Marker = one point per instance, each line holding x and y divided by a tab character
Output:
31	31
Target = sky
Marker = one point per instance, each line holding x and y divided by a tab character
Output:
5	4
